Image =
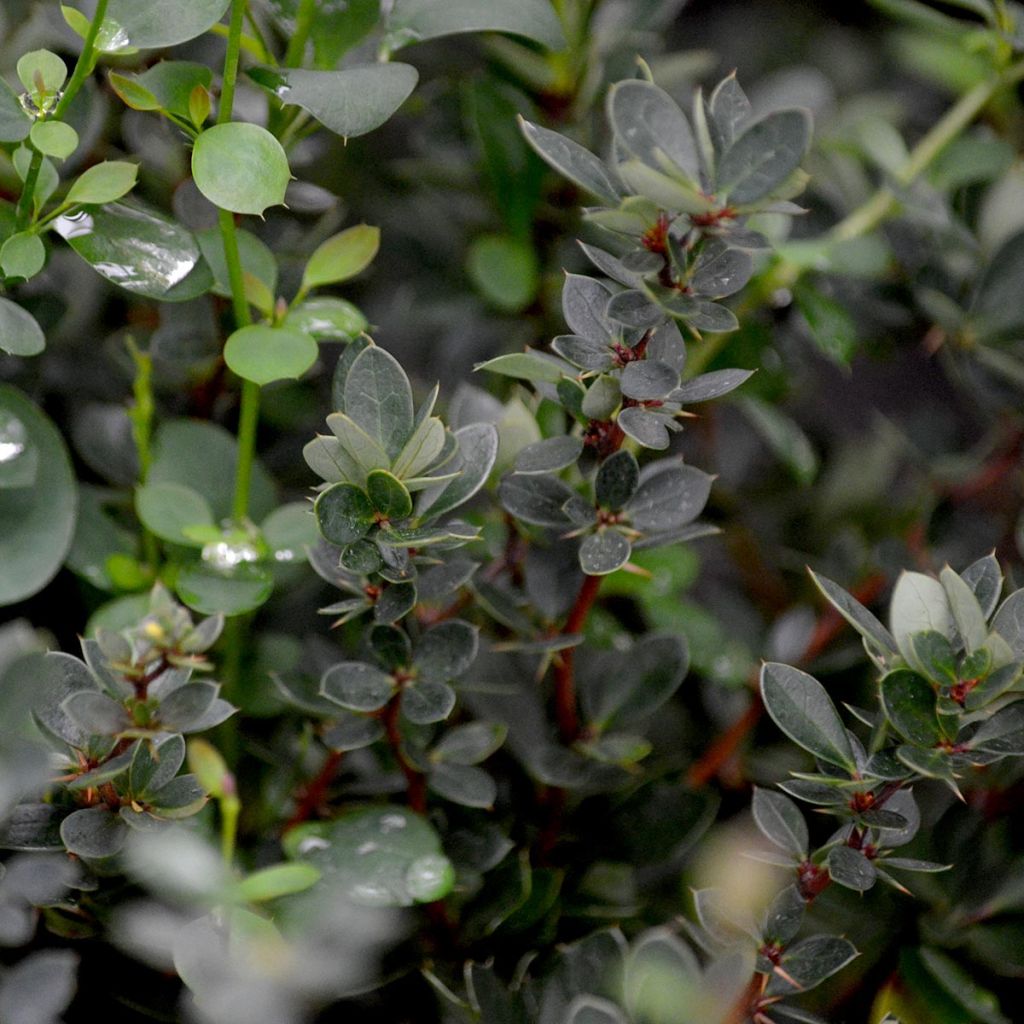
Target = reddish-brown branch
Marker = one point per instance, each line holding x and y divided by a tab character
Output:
566	713
416	786
723	748
314	793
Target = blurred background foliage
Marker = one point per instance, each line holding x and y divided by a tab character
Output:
882	430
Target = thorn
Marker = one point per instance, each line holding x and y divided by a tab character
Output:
786	976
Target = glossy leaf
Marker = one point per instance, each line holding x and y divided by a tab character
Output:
781	821
20	335
419	20
160	23
350	102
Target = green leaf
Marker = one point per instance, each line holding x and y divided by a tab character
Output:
646	428
240	167
617	480
603	552
1003	733
572	160
326	319
463	784
721	270
103	183
832	327
211	591
535	499
264	354
289	530
276	881
37	522
967	613
419	20
171	83
669	496
54	138
855	613
981	1004
342	256
96	714
132	93
137	250
525	366
800	707
387	495
204	456
918	603
343	513
764	156
20	335
446	651
781	821
783	436
470	744
985	579
550	455
505	271
378	398
649	124
154	763
186	709
168	509
350	102
363	449
850	868
648	380
15	124
381	856
256	257
41	72
425	703
809	962
477	451
94	833
157	24
910	704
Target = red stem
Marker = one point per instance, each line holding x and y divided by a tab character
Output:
314	794
416	786
565	671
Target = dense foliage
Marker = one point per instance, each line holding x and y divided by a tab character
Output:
356	558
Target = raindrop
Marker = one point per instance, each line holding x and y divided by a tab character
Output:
366	848
223	554
392	823
311	843
429	877
13	437
284	555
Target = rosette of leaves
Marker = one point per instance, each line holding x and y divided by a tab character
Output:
677	193
415	677
627	506
614	376
950	676
380	454
116	719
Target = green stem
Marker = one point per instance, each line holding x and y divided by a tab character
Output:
26	201
234	51
250	405
879	206
230	807
141	416
303	26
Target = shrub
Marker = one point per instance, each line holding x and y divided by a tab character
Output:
527	713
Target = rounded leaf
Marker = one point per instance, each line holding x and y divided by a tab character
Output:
240	167
264	354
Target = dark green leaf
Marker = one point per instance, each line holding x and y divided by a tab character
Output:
800	707
850	868
649	124
617	480
648	380
343	513
388	496
810	962
427	702
535	499
357	686
550	455
764	155
604	552
669	496
419	20
855	614
463	784
910	704
470	744
571	159
781	821
446	651
93	833
160	23
350	102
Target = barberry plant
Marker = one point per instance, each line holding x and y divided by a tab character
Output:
353	634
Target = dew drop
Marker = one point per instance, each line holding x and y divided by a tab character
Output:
284	555
392	822
222	554
366	848
311	843
430	877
